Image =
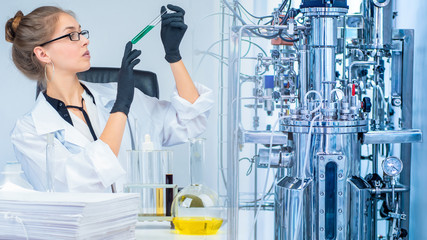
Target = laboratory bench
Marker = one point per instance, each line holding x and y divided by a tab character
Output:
163	231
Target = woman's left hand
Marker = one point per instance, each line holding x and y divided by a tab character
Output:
172	32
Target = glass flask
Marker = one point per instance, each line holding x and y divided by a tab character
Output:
196	209
146	170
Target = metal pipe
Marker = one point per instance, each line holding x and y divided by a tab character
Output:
221	105
389	190
255	125
344	48
304	56
269	58
392	136
378	31
233	126
324	42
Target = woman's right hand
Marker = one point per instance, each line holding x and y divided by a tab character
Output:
126	82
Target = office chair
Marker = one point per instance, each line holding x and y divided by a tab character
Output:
144	80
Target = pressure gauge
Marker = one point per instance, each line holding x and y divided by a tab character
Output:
392	166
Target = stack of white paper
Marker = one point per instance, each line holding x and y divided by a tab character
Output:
40	215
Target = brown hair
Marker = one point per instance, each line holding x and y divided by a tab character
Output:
28	32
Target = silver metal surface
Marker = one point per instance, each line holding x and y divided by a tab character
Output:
325	127
290	192
407	38
395	136
324	12
344	149
264	137
360	226
387	190
323	43
304	71
278	158
341	201
320	191
378	24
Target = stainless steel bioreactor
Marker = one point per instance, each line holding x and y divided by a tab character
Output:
339	89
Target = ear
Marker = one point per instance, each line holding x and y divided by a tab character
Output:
41	54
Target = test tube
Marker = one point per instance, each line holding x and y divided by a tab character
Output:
160	201
150	170
149	27
169	180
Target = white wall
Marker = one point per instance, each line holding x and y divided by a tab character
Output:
411	15
111	25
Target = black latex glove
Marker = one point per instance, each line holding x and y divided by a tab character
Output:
126	82
173	29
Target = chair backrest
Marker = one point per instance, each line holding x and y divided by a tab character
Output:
144	80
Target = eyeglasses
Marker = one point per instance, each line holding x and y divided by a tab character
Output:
74	36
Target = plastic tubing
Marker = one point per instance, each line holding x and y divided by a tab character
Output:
306	100
381	92
307	153
268	173
336	90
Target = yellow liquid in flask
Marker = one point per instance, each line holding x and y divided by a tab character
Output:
197	225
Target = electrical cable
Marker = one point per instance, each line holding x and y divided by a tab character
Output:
267	23
251	161
249	47
216	56
290	40
207	51
250	13
256	45
244	23
246	15
282	6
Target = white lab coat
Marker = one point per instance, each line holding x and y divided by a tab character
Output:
84	166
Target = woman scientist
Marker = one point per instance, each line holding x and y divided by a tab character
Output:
88	120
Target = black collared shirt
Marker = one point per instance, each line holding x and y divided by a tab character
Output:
60	106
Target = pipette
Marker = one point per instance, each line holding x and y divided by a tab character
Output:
149	27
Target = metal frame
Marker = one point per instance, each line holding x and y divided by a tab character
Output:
233	119
236	136
339	160
407	38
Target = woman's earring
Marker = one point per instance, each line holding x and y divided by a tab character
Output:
45	71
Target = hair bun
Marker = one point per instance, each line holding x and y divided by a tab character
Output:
12	25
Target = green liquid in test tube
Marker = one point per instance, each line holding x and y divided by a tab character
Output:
148	28
142	33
